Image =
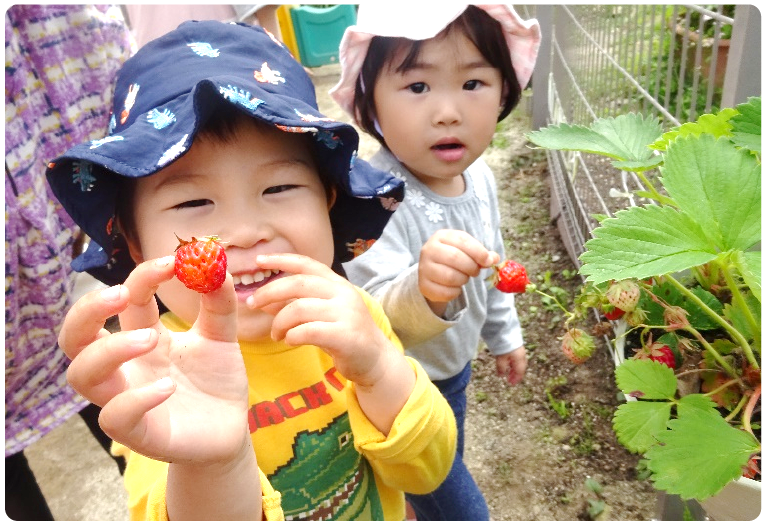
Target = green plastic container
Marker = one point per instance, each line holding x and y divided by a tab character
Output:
318	31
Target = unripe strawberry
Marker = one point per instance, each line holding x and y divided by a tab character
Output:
510	276
201	263
624	295
577	345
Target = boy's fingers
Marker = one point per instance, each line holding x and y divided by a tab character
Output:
217	318
127	411
296	264
96	372
142	310
84	323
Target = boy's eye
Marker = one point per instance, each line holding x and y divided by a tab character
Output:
417	87
279	188
471	85
193	203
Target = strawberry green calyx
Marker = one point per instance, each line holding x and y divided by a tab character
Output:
577	345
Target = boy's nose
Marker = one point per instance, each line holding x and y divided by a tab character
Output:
245	227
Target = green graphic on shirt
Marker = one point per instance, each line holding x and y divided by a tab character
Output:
327	479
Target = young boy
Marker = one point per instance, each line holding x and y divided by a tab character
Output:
285	393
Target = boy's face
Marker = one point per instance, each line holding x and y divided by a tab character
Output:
439	116
259	192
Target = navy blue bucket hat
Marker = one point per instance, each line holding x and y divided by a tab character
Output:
163	96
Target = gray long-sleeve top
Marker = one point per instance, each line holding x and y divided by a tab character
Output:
388	271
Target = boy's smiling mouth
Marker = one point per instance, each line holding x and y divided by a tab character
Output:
249	282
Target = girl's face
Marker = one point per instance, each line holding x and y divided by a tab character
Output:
259	192
440	115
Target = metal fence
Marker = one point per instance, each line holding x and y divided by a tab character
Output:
675	62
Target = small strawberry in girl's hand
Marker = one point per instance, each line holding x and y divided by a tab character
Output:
201	263
510	276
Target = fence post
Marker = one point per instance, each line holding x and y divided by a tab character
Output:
743	69
542	71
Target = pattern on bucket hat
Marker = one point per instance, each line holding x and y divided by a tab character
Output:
166	92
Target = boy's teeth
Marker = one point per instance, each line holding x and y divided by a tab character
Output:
249	279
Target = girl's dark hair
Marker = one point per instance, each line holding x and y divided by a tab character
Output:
220	126
477	25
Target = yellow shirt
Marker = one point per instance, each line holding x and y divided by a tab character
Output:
319	455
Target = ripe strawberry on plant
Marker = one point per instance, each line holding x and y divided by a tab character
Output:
577	345
611	312
658	352
510	276
201	263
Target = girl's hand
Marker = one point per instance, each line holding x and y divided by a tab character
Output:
176	397
315	306
512	366
447	261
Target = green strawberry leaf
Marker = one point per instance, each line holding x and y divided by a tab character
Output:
646	379
719	186
637	423
749	265
699	441
623	138
747	125
717	124
643	242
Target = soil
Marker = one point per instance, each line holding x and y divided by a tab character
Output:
532	448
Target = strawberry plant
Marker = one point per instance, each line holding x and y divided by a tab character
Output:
685	272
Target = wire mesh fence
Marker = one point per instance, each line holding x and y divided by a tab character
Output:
672	62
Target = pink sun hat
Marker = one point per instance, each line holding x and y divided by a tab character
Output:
421	21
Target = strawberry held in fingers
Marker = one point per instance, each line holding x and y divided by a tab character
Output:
510	276
201	263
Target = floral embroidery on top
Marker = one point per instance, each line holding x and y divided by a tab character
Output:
267	74
434	212
173	152
415	197
161	119
203	49
83	175
130	100
240	96
98	142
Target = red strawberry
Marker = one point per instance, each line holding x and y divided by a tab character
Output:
577	345
201	263
611	312
510	276
658	352
624	295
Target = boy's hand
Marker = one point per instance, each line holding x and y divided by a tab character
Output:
176	397
447	261
512	365
315	306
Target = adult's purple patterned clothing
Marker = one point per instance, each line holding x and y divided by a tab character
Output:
60	64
